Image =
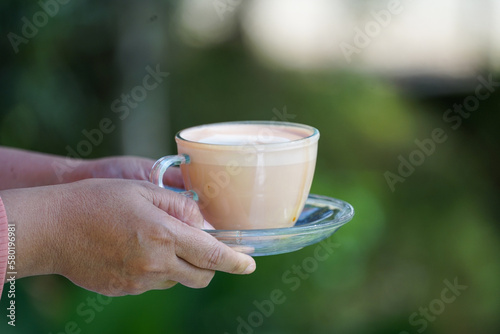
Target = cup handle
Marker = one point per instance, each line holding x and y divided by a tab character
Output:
161	166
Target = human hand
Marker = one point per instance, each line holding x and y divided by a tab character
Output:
116	237
23	169
127	167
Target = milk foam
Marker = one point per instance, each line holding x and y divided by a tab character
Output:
243	139
243	134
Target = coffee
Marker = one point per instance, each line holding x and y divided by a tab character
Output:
249	175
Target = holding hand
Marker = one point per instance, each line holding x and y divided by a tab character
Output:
23	169
117	237
132	168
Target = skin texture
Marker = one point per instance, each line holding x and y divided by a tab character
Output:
21	169
114	236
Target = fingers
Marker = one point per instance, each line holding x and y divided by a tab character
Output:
163	285
208	226
184	209
173	178
186	274
204	251
197	254
195	246
177	271
130	167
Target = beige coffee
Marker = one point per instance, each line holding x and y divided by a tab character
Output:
249	175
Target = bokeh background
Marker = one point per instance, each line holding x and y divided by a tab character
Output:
372	76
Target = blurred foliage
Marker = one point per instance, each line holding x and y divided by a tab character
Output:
392	258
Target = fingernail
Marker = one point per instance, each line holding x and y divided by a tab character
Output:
207	225
250	269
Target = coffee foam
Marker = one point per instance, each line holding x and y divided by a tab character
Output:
242	139
242	134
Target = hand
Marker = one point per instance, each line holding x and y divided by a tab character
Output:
23	169
116	237
133	168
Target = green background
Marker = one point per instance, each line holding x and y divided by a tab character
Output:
391	260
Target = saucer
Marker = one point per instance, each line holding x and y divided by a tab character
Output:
321	217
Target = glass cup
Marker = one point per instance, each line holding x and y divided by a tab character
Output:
245	175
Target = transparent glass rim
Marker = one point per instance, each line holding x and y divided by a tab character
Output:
282	145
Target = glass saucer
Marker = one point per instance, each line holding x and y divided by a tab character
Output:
322	216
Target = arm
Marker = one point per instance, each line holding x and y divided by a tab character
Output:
116	237
23	169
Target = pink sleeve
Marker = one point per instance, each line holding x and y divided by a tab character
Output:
3	245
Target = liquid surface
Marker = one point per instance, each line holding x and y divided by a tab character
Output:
233	139
244	134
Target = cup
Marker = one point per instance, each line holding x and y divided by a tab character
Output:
245	175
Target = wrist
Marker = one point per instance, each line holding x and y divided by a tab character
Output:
31	212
